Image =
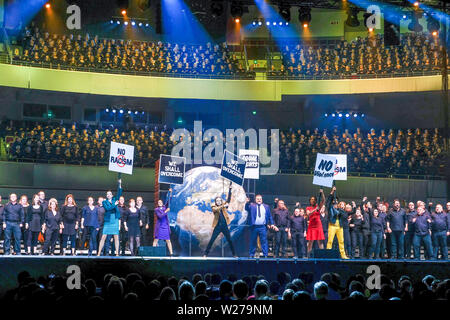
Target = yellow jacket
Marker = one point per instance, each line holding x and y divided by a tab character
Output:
216	210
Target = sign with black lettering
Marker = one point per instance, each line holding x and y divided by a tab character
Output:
171	169
233	168
251	158
324	170
340	172
121	158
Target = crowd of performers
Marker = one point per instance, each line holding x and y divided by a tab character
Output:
364	230
110	218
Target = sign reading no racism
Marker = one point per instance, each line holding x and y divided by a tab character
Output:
171	169
251	158
233	168
121	158
340	172
324	170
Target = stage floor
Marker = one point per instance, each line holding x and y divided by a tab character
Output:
151	267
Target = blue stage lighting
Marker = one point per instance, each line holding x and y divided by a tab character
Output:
140	24
147	25
129	111
121	110
355	115
143	112
118	22
107	110
287	23
133	23
347	115
333	115
125	23
363	115
114	111
280	23
274	23
259	23
340	115
136	112
268	23
326	114
254	23
111	22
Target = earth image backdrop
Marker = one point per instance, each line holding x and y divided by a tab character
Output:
190	212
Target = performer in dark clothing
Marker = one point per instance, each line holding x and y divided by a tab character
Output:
397	225
422	229
281	222
132	223
101	220
34	222
123	234
409	234
25	232
13	219
52	227
71	216
377	230
440	229
146	232
220	223
297	232
90	224
357	224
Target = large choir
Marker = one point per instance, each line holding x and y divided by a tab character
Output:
111	226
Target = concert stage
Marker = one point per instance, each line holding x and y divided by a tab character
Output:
149	267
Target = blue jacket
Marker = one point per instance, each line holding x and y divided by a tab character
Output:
111	207
252	210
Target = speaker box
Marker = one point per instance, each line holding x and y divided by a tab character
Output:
152	251
326	254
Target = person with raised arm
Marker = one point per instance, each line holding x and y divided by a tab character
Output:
336	216
162	227
111	218
221	222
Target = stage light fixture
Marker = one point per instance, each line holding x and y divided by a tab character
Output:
305	25
111	22
129	111
124	12
352	17
133	23
136	112
432	24
140	24
414	25
125	23
254	23
363	115
326	115
121	111
114	111
416	3
118	22
259	23
216	9
268	23
254	112
340	115
280	23
370	29
123	6
274	23
48	5
143	112
236	11
107	109
333	115
347	115
355	115
304	15
285	11
287	23
147	25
